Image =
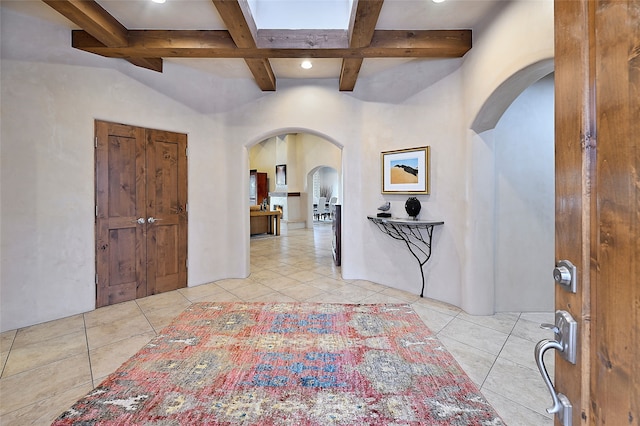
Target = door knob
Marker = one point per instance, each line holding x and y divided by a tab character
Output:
140	220
152	219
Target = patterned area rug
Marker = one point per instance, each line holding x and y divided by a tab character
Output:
288	364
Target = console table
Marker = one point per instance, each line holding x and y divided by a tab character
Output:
416	234
265	221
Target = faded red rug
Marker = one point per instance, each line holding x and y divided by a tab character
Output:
288	364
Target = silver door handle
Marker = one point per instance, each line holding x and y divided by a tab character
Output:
152	219
565	330
139	220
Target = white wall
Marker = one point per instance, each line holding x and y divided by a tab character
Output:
51	95
525	201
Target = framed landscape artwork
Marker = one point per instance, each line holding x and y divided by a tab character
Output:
406	171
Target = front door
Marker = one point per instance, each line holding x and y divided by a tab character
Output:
597	78
141	218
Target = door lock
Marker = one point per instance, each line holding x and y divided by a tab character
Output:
565	274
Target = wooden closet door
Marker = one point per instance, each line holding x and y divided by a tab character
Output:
166	211
120	213
141	212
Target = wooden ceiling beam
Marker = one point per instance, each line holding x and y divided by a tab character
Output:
362	25
92	18
242	28
219	44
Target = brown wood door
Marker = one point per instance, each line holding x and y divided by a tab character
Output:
140	174
166	211
597	77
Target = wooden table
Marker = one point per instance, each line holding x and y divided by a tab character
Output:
265	221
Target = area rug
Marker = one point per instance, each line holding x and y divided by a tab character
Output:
288	364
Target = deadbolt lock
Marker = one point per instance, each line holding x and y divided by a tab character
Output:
565	275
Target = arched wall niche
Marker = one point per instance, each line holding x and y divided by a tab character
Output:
504	95
480	289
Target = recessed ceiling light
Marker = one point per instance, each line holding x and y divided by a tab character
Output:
306	64
437	1
158	1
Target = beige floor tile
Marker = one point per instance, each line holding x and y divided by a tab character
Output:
107	314
400	294
251	291
504	321
531	331
273	297
280	283
520	351
439	306
106	359
200	291
285	270
3	359
302	291
162	301
305	276
327	283
29	387
328	298
118	330
160	318
354	293
538	317
39	353
233	283
433	319
45	331
477	336
44	412
369	285
519	384
474	362
515	414
219	297
6	340
265	274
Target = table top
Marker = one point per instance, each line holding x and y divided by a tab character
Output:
405	221
265	212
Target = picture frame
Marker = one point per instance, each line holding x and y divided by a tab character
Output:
406	171
281	174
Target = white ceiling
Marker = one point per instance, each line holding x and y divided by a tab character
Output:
283	14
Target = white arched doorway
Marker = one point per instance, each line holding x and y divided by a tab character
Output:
302	152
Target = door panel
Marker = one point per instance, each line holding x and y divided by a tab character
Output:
120	201
598	203
141	218
615	384
166	203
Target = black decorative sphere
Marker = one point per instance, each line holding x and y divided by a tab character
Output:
412	206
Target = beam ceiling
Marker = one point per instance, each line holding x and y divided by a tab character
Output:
102	34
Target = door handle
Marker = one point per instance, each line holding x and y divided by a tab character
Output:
565	330
139	220
152	219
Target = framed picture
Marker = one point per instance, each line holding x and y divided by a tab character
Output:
281	174
406	171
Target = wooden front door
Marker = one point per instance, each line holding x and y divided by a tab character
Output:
597	78
141	218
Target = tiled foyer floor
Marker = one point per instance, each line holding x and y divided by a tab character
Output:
47	367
